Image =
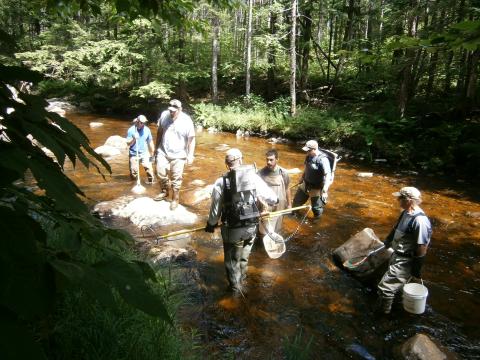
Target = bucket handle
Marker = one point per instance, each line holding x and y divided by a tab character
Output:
411	277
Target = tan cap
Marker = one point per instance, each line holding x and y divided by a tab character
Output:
310	145
408	192
232	155
174	105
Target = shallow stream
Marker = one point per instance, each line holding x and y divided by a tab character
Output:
302	296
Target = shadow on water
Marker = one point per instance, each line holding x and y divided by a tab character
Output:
303	292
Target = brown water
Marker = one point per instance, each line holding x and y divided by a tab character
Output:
303	294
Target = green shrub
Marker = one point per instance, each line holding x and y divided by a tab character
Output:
85	330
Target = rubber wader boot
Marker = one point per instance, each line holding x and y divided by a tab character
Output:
174	203
384	305
163	195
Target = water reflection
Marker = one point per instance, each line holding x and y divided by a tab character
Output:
303	289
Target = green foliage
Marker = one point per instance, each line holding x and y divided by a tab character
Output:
117	332
298	348
50	241
153	90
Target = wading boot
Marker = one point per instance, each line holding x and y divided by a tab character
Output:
163	195
383	306
175	199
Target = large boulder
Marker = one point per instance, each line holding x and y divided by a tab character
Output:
202	194
144	211
107	151
116	141
59	106
359	245
421	347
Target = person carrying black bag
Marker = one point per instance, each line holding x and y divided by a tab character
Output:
237	199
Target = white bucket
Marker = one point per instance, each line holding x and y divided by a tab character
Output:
414	298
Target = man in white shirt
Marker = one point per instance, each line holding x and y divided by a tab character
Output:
175	147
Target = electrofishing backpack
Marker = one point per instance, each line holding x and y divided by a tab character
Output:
333	159
240	197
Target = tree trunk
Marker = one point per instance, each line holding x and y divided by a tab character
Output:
305	43
330	47
215	53
248	47
406	73
182	87
471	85
271	57
293	64
349	27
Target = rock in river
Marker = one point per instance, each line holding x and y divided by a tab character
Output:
145	211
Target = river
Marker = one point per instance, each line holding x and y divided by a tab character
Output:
302	298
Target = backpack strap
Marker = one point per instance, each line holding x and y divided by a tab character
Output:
410	228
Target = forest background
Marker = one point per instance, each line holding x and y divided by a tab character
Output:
393	79
387	79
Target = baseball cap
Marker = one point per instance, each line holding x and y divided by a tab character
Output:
140	118
232	155
408	192
311	144
174	105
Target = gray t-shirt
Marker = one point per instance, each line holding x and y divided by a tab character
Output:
175	134
405	239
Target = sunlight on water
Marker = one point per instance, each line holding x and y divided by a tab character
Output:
303	289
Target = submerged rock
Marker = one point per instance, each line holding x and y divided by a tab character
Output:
198	182
421	347
168	253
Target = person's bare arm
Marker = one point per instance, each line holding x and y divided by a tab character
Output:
421	250
151	147
190	149
158	140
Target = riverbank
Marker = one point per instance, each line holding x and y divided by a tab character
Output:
428	143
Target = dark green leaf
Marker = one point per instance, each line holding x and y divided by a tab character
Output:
15	73
129	281
16	342
467	25
27	283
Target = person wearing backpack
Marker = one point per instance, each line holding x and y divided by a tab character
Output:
409	240
235	200
315	180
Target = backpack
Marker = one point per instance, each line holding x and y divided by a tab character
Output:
333	159
240	198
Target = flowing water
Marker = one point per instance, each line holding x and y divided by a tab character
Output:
302	298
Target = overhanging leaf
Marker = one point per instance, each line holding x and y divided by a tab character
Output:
129	281
16	342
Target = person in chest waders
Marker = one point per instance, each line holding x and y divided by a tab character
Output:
235	198
315	180
409	239
278	180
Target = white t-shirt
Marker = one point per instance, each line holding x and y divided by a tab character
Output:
175	134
